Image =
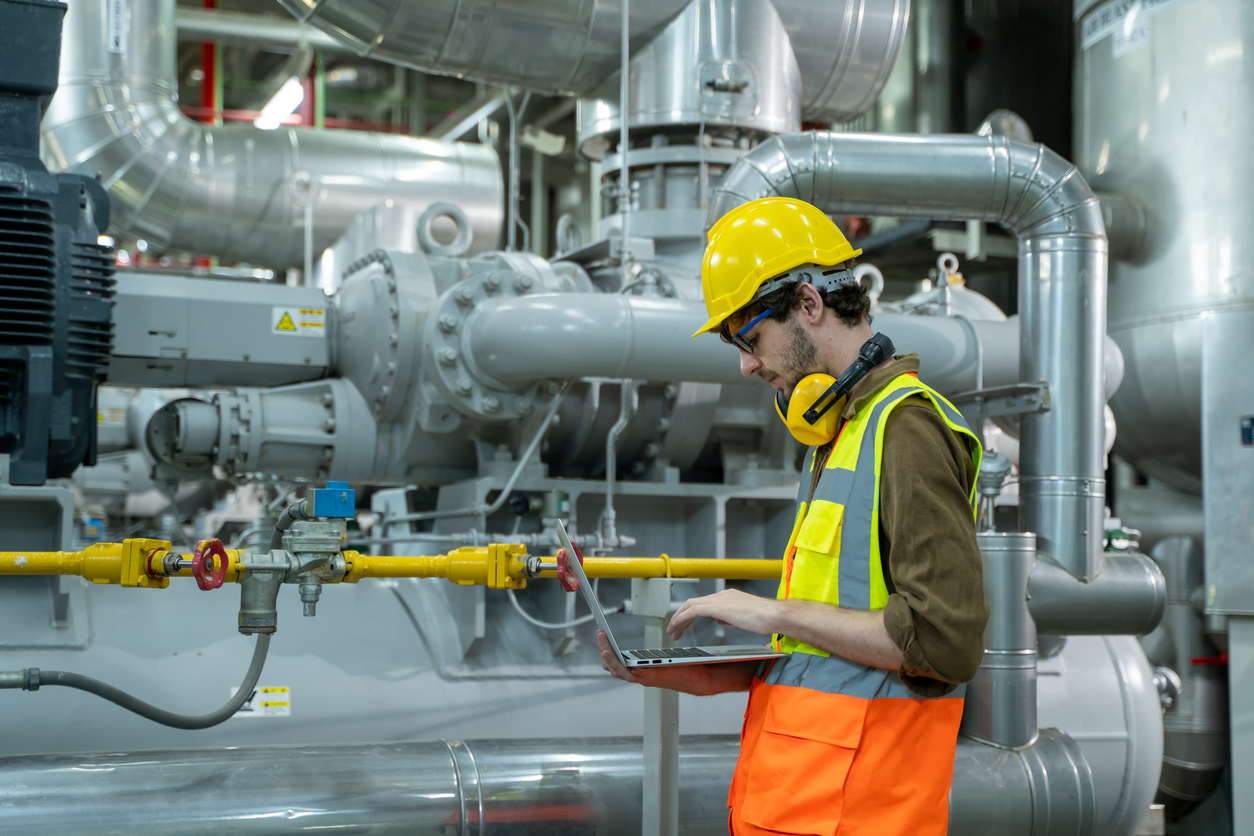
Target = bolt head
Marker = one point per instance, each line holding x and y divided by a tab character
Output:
448	356
524	406
492	404
448	323
464	386
492	282
465	295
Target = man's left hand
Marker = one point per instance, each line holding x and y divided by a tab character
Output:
730	607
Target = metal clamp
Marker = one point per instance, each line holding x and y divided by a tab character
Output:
1015	399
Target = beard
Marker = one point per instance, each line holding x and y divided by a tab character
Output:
800	358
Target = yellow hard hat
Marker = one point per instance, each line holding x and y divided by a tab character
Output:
757	241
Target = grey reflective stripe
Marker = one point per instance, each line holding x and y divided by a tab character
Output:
855	490
834	675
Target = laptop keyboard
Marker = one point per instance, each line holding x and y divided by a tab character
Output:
670	653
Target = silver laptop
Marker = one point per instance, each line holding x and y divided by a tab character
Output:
657	656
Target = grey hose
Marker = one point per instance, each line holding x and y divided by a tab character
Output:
290	515
32	679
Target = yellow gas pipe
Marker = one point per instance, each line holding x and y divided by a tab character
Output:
139	563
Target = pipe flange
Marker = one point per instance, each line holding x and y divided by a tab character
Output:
381	385
460	244
451	361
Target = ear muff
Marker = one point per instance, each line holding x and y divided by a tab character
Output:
813	412
792	410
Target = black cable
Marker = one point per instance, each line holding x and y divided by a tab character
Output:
33	679
290	514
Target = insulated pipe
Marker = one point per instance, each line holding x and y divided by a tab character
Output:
435	788
1000	704
1047	205
481	788
845	48
244	29
1127	598
235	192
516	340
1043	790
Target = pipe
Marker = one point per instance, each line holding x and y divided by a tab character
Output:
478	788
232	191
1001	701
845	48
433	788
517	339
1046	204
1195	727
243	29
1126	598
1043	790
627	395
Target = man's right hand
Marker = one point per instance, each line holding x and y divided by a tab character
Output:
699	680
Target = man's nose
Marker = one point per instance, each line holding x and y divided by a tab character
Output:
748	363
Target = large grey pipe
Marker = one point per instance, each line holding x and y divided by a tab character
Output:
234	191
476	788
845	48
1127	598
1047	205
520	339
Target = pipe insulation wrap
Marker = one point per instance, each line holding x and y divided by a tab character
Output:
488	787
845	48
516	340
235	191
1042	199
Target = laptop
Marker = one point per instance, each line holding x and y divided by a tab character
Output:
657	656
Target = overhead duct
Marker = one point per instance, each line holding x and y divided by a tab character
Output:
845	49
235	192
1044	201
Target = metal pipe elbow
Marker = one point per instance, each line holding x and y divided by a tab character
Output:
1127	598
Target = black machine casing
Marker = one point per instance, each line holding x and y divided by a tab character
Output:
56	281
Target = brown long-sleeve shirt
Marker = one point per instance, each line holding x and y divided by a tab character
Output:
936	610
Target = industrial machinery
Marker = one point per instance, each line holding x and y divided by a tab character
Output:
482	395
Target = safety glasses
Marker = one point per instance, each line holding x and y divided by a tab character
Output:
738	339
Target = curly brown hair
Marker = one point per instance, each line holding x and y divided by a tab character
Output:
850	302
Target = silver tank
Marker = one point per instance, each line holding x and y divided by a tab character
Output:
1164	110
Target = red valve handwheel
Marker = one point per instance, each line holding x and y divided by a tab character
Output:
568	580
209	551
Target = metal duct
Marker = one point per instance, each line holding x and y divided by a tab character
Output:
519	339
1045	789
845	49
235	191
478	788
1044	201
1127	598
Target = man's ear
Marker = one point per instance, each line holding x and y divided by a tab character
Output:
812	306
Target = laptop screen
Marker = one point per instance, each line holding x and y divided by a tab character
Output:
585	586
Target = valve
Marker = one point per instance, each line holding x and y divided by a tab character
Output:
209	551
567	579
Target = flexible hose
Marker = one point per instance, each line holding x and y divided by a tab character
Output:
549	625
37	679
290	514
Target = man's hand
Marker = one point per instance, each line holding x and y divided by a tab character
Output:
700	680
730	607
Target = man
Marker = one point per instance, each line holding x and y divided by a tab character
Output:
881	604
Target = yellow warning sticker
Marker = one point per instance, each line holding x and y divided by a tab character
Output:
298	321
111	416
271	701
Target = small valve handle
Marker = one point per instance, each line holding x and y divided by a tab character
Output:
211	552
568	579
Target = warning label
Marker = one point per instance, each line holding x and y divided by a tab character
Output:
266	702
111	416
298	321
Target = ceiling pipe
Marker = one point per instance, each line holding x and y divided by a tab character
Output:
235	192
845	48
243	29
1045	202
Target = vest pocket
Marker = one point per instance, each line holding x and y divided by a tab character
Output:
821	530
796	781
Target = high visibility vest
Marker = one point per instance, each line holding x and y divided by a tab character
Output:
829	744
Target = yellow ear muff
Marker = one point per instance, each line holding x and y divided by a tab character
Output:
792	412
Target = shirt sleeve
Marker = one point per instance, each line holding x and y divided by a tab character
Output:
936	610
